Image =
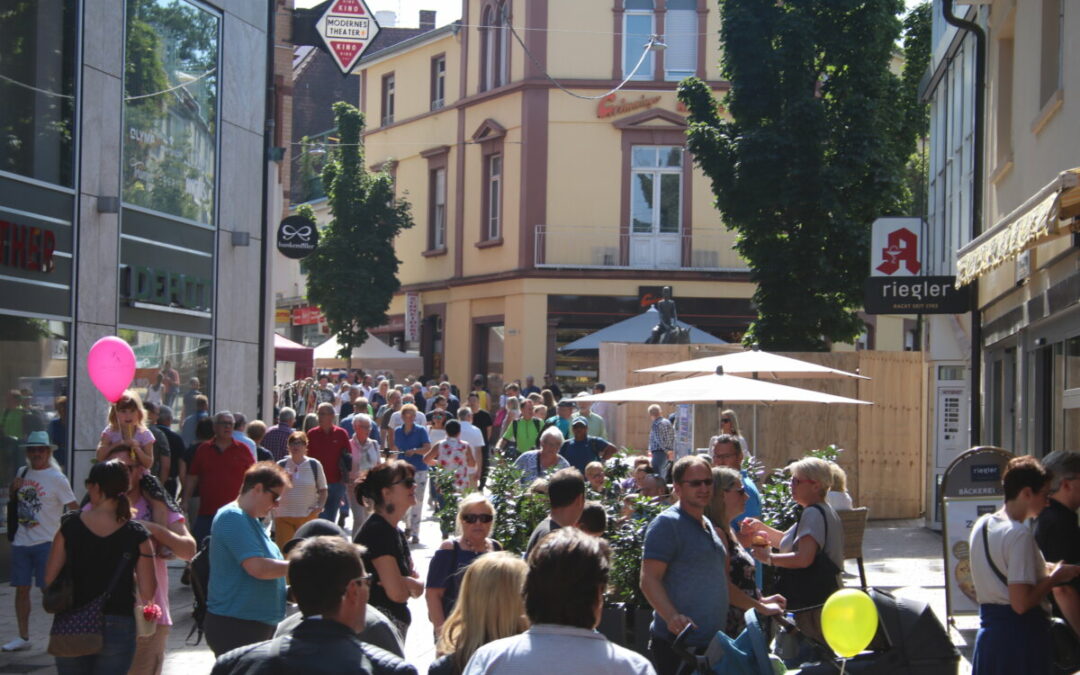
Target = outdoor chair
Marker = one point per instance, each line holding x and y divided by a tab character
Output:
854	522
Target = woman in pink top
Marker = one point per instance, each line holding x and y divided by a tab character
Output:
126	427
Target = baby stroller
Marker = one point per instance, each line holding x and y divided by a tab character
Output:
747	654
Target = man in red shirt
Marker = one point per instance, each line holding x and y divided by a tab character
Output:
218	471
326	443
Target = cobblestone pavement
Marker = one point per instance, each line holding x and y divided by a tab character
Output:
900	556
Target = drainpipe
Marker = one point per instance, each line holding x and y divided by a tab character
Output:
975	415
268	130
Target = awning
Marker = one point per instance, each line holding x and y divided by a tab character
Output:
1049	213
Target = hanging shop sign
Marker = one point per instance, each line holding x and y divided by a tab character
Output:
611	105
297	237
26	247
306	316
413	317
141	284
347	28
894	285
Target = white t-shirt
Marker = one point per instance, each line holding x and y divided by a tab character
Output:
307	480
840	501
41	503
1014	551
470	433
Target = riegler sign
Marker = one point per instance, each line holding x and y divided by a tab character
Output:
894	285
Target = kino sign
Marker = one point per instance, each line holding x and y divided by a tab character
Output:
347	28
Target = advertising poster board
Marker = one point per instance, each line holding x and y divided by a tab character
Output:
684	430
971	487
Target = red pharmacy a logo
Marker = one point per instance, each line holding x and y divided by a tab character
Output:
902	247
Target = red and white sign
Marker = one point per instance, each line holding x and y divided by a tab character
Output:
895	247
347	28
306	316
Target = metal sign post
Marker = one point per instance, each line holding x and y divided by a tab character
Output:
971	487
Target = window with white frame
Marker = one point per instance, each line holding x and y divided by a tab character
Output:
438	82
437	231
681	37
656	189
639	24
493	169
388	99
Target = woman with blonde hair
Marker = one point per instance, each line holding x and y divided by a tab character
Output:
838	496
729	499
729	424
490	607
127	426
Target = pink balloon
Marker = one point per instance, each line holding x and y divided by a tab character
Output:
112	366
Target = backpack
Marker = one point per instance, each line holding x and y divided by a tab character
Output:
316	467
200	589
536	425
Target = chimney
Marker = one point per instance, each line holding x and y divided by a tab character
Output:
427	19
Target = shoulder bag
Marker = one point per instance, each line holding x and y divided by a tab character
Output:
13	508
59	595
812	585
81	631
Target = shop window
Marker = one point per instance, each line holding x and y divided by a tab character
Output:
34	385
388	99
438	82
171	93
493	176
639	24
37	87
681	37
173	370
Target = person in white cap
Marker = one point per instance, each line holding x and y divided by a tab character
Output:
43	494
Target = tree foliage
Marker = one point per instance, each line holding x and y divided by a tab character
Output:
352	274
813	152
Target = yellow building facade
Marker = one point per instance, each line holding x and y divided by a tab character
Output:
542	216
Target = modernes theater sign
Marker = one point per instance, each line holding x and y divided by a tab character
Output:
894	285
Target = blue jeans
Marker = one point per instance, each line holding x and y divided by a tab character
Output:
115	655
202	529
334	493
659	462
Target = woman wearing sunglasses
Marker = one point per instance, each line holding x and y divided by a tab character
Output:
247	572
729	497
391	486
476	517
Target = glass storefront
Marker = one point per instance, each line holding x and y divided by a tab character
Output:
161	358
34	382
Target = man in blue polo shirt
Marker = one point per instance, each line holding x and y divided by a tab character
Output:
583	448
411	440
684	567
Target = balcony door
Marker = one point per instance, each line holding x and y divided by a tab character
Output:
656	175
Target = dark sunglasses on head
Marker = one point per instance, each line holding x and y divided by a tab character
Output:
698	482
473	518
407	482
275	495
725	420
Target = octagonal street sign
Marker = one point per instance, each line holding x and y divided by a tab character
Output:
347	28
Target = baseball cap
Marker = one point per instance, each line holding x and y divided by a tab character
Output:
314	528
579	422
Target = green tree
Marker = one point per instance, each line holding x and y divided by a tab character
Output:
917	42
352	274
813	152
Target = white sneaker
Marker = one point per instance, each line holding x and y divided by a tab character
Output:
17	645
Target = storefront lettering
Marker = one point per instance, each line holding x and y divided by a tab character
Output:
139	283
26	247
609	106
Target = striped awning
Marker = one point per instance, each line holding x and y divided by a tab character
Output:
1048	214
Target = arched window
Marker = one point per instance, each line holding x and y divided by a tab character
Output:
502	63
488	52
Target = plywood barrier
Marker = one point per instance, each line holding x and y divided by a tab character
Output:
884	444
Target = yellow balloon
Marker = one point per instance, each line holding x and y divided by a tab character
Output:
849	621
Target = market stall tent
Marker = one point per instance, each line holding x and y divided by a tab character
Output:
289	355
374	356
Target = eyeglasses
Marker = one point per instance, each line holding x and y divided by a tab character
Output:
795	481
741	491
275	495
407	482
474	518
365	580
297	443
37	448
698	482
725	420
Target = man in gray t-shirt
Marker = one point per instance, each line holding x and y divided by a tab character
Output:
684	567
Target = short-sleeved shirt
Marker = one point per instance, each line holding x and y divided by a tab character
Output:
447	568
302	498
94	561
596	425
220	472
453	453
526	433
753	502
235	537
327	447
380	538
546	646
114	437
411	440
580	453
560	423
542	529
1014	552
696	567
812	524
41	503
241	437
483	421
1057	531
277	440
529	464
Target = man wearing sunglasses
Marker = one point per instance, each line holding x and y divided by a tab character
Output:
727	451
682	561
329	583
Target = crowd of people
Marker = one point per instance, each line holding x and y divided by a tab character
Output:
265	506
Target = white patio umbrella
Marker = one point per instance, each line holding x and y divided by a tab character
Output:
719	388
764	365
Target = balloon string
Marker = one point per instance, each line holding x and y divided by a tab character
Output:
843	665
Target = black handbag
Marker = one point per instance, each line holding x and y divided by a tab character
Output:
812	585
13	509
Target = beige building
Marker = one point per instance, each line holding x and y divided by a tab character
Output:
1026	259
542	216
